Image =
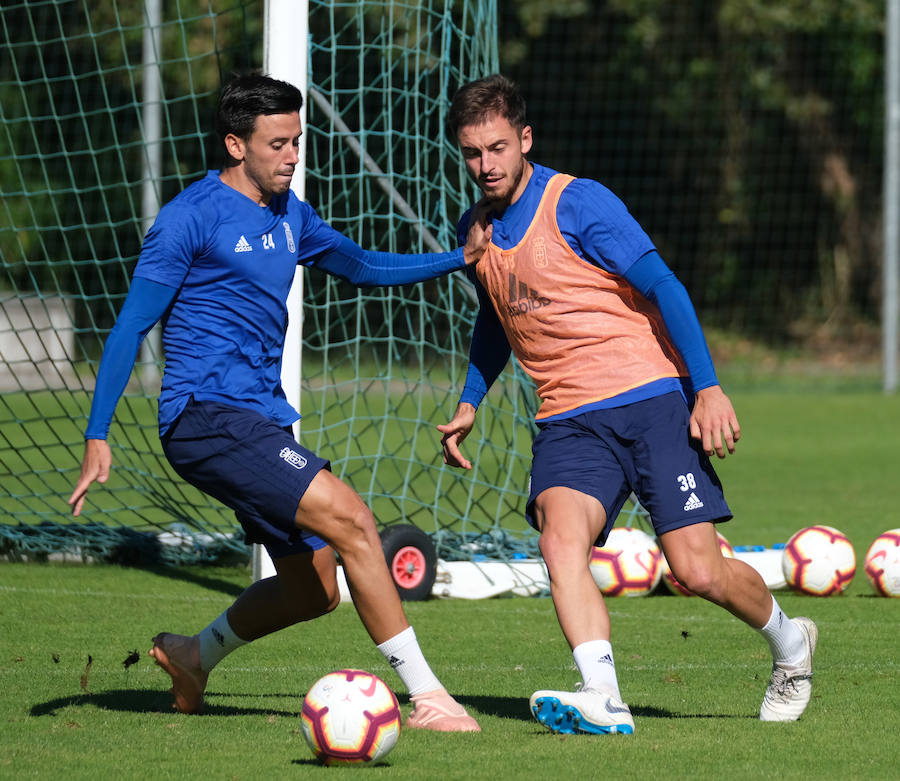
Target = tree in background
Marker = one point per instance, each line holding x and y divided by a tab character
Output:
72	147
746	136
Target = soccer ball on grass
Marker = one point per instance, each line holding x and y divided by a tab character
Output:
818	560
628	564
350	717
882	563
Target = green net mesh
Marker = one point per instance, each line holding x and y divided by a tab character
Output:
80	137
89	151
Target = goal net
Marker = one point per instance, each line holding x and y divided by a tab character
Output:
106	112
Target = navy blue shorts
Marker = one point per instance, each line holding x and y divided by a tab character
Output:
644	448
250	464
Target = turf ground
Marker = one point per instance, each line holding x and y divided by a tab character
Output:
693	675
694	678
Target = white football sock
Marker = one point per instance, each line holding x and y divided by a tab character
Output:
217	641
785	638
404	655
594	660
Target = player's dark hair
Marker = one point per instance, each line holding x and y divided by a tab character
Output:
478	100
249	96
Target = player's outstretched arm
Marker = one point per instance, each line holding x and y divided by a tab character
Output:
95	466
714	422
370	268
454	433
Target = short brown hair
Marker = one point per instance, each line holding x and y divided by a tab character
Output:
476	101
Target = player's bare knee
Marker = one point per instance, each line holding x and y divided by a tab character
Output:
558	550
355	531
548	544
325	600
701	581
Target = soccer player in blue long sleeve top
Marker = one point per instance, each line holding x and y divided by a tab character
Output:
630	402
216	267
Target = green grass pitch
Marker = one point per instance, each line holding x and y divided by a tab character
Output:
693	675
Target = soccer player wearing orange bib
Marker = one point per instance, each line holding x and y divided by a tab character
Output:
630	403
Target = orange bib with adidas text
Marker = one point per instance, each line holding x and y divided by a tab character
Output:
582	334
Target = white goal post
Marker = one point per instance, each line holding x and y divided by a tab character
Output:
285	56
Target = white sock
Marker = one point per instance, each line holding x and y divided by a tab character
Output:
217	641
404	655
594	660
784	636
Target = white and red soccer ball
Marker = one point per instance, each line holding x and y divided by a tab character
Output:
882	563
672	583
629	563
350	717
819	560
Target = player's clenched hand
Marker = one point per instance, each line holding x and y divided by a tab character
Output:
94	466
454	433
714	422
480	232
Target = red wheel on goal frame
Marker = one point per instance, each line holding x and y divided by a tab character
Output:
412	560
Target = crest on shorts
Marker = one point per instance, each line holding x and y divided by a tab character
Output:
293	458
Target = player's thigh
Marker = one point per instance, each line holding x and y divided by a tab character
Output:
332	510
574	468
670	474
692	552
570	515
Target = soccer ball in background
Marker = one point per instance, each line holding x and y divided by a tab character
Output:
882	563
628	565
818	560
350	717
674	586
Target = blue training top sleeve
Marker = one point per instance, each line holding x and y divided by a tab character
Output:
368	268
598	226
489	349
656	282
145	304
488	353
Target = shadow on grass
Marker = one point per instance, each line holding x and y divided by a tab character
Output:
383	764
154	701
661	713
517	708
504	707
193	576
